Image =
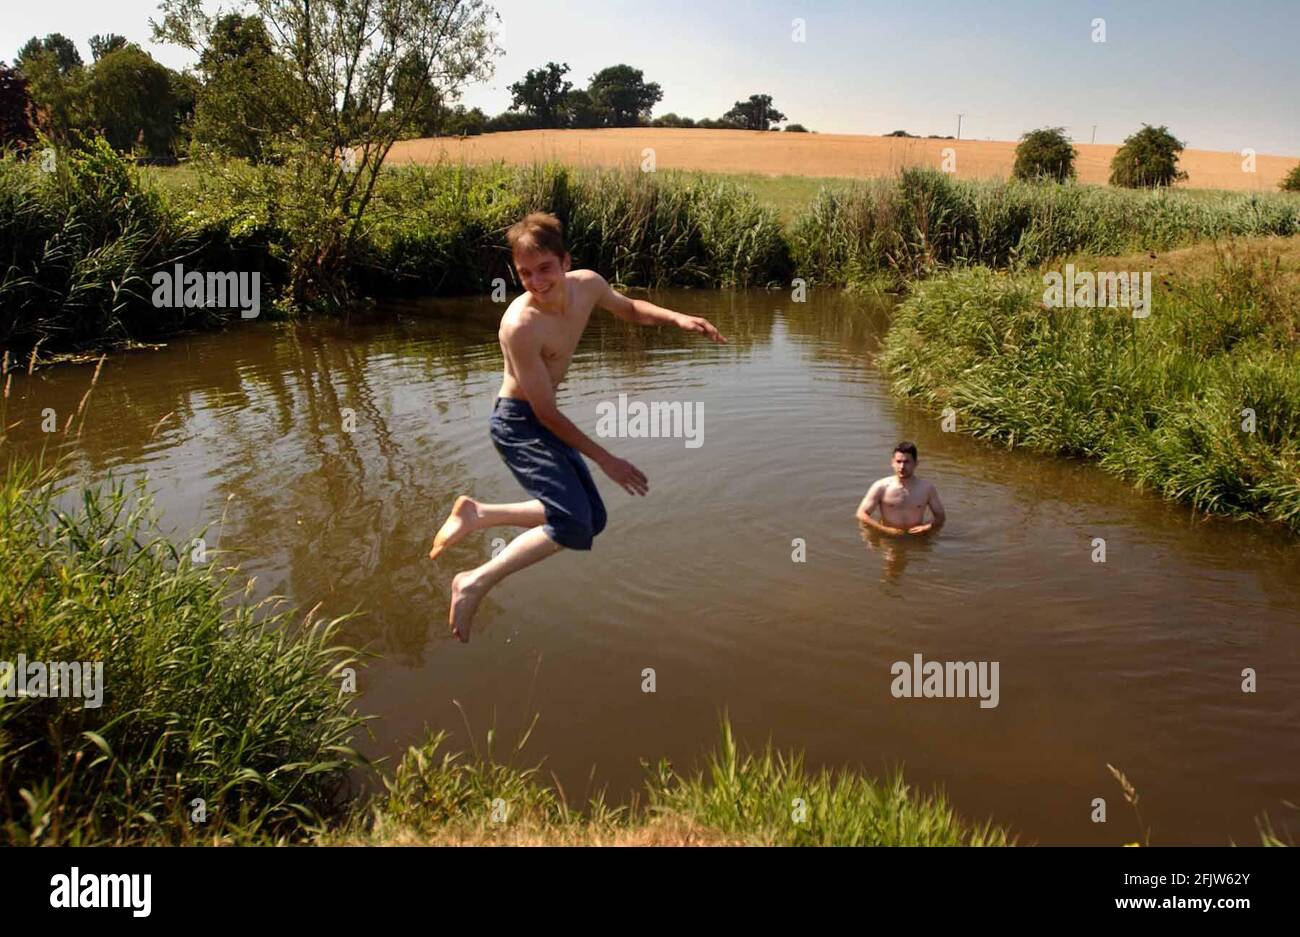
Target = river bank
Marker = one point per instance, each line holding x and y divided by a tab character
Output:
1196	398
90	239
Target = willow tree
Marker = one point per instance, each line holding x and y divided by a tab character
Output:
361	70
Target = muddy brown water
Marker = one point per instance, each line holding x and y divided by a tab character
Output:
1136	662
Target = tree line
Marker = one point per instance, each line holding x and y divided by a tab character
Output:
245	93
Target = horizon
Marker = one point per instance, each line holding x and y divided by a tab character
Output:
1041	71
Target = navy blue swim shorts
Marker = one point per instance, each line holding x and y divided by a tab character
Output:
551	471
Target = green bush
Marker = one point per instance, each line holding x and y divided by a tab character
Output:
1148	158
1292	181
1044	154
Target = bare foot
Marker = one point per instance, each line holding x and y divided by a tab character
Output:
464	514
464	602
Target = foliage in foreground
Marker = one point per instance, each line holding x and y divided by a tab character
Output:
236	706
755	798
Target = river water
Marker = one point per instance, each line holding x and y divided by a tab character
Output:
324	455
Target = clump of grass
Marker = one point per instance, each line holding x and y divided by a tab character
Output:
771	798
1160	401
232	704
741	798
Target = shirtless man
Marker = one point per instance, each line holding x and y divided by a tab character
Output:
540	445
902	499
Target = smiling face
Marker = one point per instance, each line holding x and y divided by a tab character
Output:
539	272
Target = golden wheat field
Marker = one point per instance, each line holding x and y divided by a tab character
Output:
800	154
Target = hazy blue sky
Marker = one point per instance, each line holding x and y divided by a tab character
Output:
1221	75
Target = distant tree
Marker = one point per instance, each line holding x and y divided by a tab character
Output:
429	113
64	50
582	113
462	122
797	128
1147	158
1044	154
508	121
541	94
900	133
101	45
708	123
624	94
135	101
17	112
250	96
1292	181
755	114
59	96
672	120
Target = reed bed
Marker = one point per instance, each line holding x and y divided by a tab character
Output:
905	228
1199	402
218	721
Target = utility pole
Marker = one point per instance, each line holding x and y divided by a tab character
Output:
1094	133
959	117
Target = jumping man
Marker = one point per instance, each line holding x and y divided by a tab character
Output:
540	445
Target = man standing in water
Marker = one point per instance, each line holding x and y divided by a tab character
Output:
902	499
540	445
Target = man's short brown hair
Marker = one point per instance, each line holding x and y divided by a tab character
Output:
537	231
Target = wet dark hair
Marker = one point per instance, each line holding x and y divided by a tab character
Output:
908	448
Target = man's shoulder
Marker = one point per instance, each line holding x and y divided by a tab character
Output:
882	482
518	321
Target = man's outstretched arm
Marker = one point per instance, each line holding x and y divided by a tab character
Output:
646	313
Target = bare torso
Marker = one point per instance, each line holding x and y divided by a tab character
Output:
902	503
558	332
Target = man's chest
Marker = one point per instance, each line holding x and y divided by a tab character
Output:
899	496
560	338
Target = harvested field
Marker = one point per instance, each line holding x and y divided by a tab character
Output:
799	154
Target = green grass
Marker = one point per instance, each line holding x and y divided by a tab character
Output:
239	707
744	797
1158	401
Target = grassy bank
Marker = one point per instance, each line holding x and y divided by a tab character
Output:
238	708
243	707
1166	401
740	798
85	240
